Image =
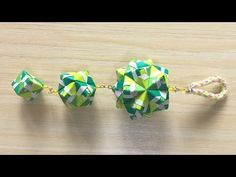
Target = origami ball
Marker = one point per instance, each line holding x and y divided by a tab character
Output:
142	88
76	89
27	86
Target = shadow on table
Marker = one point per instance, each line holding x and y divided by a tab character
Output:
145	135
152	135
203	116
34	113
82	126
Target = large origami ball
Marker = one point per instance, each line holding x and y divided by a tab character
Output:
27	86
142	88
76	89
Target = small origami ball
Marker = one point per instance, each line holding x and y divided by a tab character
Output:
142	88
76	89
27	86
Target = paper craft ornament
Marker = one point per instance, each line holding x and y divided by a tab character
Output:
76	89
142	88
27	86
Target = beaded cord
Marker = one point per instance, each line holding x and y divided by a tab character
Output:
194	88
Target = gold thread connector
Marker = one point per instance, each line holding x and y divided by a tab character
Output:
104	86
51	90
179	89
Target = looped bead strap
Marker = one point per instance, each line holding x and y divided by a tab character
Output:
194	88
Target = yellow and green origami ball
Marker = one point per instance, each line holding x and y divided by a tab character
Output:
76	89
142	88
27	86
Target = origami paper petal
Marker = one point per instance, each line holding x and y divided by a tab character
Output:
142	88
76	89
27	86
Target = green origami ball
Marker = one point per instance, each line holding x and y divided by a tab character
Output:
142	88
76	89
27	86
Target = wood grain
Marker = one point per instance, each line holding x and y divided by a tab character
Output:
191	52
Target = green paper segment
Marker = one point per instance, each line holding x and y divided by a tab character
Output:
27	86
142	88
76	89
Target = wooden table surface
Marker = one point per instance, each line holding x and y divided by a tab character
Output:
191	52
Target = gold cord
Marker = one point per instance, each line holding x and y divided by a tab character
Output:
51	90
104	86
193	88
179	89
